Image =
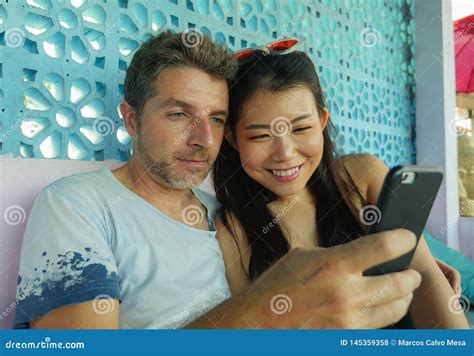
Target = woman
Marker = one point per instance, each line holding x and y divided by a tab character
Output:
282	186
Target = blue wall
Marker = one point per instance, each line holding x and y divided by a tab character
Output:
63	62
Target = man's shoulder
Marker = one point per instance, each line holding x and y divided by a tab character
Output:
80	181
86	189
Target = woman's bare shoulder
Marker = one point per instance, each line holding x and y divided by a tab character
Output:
233	230
368	173
236	251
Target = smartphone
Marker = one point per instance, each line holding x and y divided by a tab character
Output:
406	199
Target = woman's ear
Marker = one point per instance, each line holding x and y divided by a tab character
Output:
228	135
325	118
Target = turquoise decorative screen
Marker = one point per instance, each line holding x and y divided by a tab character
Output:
63	63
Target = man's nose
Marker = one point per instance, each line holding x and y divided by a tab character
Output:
202	134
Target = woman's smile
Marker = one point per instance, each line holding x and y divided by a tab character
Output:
286	175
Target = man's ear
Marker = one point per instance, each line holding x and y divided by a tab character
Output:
325	118
230	138
129	118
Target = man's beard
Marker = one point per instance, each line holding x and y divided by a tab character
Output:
161	169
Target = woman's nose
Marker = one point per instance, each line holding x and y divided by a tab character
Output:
283	149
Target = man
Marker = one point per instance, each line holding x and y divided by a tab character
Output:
136	247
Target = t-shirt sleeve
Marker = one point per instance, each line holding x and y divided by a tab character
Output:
66	257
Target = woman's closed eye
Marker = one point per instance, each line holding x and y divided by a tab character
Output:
297	130
301	129
259	137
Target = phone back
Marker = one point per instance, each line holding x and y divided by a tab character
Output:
405	202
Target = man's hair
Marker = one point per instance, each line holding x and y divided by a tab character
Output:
168	50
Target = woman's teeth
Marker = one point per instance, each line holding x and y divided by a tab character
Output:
289	172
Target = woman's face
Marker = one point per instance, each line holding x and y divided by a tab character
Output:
280	140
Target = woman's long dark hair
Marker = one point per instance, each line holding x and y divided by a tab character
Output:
334	190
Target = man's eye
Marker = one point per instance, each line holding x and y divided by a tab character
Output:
301	129
177	115
218	120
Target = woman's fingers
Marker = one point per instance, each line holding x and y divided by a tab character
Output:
451	274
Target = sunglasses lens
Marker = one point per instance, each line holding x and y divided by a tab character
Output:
244	54
278	46
283	45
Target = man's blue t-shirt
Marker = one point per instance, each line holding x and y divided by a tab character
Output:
88	238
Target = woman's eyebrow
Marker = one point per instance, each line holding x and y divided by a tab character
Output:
260	126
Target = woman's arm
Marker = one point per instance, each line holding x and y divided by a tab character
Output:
434	299
236	264
434	303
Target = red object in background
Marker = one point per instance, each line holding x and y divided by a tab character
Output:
464	54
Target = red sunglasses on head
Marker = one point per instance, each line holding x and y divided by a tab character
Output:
283	46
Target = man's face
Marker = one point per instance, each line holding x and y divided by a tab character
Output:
181	129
